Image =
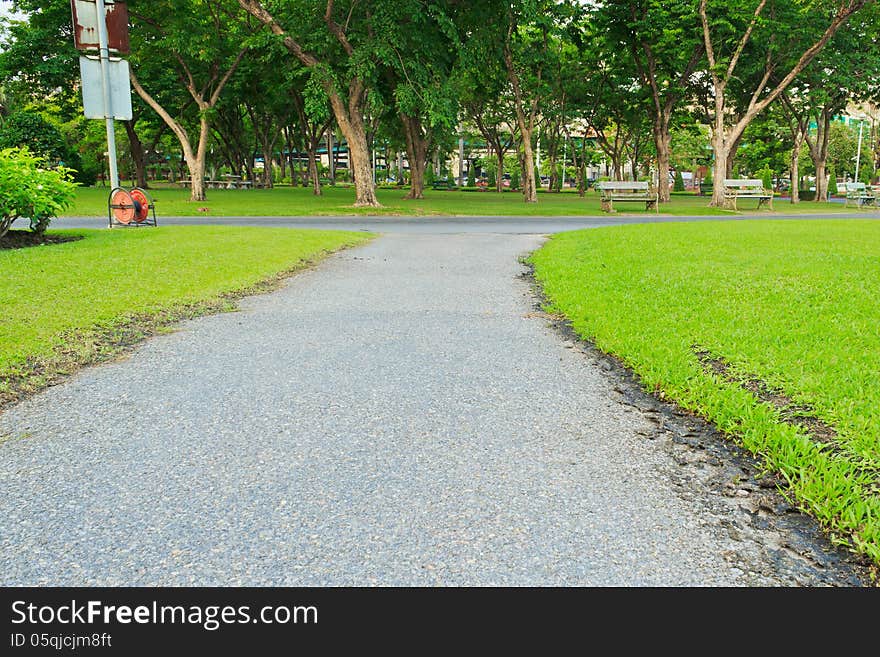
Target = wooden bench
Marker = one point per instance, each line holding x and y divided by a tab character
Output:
615	190
738	188
859	194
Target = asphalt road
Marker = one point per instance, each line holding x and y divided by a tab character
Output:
448	224
399	415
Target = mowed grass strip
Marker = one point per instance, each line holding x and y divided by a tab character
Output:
66	305
298	201
792	305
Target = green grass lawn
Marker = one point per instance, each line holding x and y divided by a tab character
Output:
297	201
79	302
792	304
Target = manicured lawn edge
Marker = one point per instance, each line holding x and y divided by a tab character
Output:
113	340
809	468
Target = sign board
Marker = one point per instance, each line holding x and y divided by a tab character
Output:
93	89
85	25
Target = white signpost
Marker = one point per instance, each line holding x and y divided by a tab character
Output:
92	73
105	82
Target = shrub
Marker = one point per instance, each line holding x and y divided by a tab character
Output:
832	180
678	185
471	179
514	179
766	175
29	191
30	130
493	181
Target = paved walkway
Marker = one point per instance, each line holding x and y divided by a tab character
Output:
398	415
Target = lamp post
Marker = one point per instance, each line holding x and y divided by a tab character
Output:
859	150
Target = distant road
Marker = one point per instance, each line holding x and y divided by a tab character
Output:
451	224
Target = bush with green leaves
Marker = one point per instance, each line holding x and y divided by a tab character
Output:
832	180
32	131
29	190
471	178
766	175
514	179
678	185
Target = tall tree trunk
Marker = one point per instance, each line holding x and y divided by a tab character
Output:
499	181
526	126
137	154
313	170
359	160
663	144
721	151
794	175
821	180
819	153
417	145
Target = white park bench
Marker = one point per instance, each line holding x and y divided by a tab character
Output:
617	190
739	188
859	194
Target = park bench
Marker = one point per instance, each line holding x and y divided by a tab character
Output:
738	188
615	190
859	194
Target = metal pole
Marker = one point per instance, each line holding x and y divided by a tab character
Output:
461	161
104	53
564	157
859	151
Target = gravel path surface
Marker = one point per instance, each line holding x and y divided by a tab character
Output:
400	415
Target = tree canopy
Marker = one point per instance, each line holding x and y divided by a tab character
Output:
272	90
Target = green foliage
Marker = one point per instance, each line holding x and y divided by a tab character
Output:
832	180
492	178
559	175
32	131
640	293
766	175
678	185
866	174
708	179
842	147
30	191
429	175
514	178
471	177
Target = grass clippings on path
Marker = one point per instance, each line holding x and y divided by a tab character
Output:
768	329
86	301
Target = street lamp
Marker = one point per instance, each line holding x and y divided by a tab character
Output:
859	150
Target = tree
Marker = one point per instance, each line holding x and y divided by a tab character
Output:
340	47
678	186
662	37
774	31
846	70
203	43
530	28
